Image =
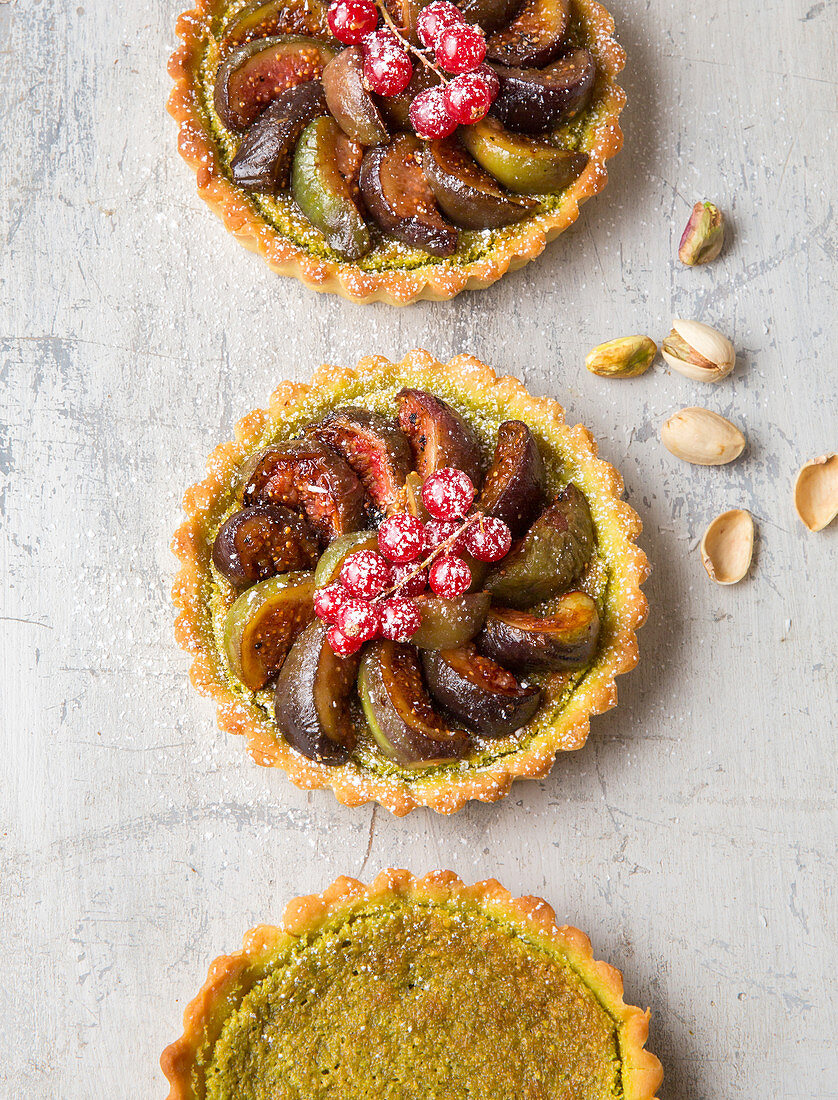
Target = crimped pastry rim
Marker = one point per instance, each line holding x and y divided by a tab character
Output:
445	792
433	281
641	1070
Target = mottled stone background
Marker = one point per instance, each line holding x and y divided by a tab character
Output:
694	837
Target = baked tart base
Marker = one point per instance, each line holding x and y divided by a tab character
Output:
425	985
562	722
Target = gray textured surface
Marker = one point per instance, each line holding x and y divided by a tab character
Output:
694	837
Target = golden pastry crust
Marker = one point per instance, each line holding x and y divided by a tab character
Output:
444	790
434	280
231	976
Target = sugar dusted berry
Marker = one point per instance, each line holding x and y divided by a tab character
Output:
327	601
387	66
469	97
448	494
365	574
449	576
341	645
429	116
414	586
460	48
358	619
434	19
438	530
401	538
351	21
400	619
488	539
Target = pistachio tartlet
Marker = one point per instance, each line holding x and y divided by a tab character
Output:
413	988
412	676
313	157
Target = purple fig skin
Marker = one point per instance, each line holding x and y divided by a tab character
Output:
533	101
263	159
262	541
438	435
466	193
565	640
535	36
478	691
514	487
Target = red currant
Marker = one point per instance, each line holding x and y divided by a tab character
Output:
365	574
327	601
488	539
352	20
449	576
460	48
434	19
401	537
448	494
400	619
469	97
341	645
387	67
358	619
417	583
429	116
438	530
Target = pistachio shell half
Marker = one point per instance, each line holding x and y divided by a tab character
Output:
698	351
816	492
702	436
728	546
625	357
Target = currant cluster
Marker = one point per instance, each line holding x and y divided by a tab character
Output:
458	48
373	595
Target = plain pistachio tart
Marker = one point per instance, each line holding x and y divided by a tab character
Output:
413	989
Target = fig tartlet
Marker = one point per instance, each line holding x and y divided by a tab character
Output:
411	582
316	154
413	987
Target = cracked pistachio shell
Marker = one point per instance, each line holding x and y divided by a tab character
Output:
702	437
703	236
625	357
728	546
698	351
816	492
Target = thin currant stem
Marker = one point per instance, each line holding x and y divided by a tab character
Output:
435	553
385	15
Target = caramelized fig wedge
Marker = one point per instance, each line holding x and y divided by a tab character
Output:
514	487
400	200
259	19
565	640
303	473
262	624
332	559
311	698
449	624
467	194
478	691
491	15
261	541
534	37
522	164
349	101
375	448
438	435
263	159
399	713
395	109
323	193
536	100
549	558
253	75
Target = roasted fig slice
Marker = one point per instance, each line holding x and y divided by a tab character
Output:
514	487
490	14
375	448
478	691
520	163
259	19
448	624
536	100
349	101
438	435
395	109
566	640
323	193
399	198
534	37
311	699
263	159
467	194
304	473
253	75
262	624
549	558
261	541
399	713
332	559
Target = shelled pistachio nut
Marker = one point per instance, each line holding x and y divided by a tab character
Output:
703	236
816	492
702	437
625	357
698	351
728	546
